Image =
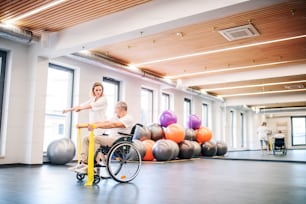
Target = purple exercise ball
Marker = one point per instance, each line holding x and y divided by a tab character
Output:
194	122
167	118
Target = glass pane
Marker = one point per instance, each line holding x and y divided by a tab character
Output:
187	110
242	129
59	97
165	102
298	131
111	91
204	114
232	128
146	106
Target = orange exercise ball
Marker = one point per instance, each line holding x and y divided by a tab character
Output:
203	135
175	133
149	150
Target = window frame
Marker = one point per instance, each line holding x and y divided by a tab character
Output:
3	68
169	100
232	127
206	107
242	124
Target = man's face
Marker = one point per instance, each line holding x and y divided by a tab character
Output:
118	111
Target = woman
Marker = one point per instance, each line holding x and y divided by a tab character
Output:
96	105
262	132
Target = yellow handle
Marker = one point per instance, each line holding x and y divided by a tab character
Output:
79	145
91	149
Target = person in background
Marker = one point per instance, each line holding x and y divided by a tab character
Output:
279	135
262	132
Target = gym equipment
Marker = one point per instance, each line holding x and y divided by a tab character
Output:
140	147
175	132
209	149
190	134
61	151
167	118
221	148
149	150
194	122
174	148
197	149
119	164
162	150
141	133
186	149
203	135
157	131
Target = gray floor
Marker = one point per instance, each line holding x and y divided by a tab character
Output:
198	181
297	156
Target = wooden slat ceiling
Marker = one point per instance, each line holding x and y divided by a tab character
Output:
275	22
64	15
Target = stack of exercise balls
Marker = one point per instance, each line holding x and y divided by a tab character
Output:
167	140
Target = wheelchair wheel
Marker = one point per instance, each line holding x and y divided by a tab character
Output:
80	177
123	162
96	179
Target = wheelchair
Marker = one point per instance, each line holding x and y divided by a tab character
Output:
279	145
123	160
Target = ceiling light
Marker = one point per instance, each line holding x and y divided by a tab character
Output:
233	69
37	10
261	93
219	50
260	85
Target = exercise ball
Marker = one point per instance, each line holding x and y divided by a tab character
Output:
221	148
203	135
167	118
157	131
194	122
174	148
190	134
175	132
149	150
140	147
61	151
186	149
197	149
162	150
141	133
209	149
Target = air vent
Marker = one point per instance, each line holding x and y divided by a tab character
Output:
237	33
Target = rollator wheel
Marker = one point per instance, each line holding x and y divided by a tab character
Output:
80	177
123	162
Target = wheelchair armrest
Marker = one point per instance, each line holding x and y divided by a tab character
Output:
125	134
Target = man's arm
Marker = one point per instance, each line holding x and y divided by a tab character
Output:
107	125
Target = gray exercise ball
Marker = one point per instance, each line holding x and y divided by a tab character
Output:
221	148
209	149
157	131
186	149
197	149
140	147
174	148
190	134
142	133
61	151
162	150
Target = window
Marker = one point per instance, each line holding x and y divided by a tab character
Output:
298	124
232	127
2	80
241	130
59	97
187	109
165	102
146	104
205	114
112	92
